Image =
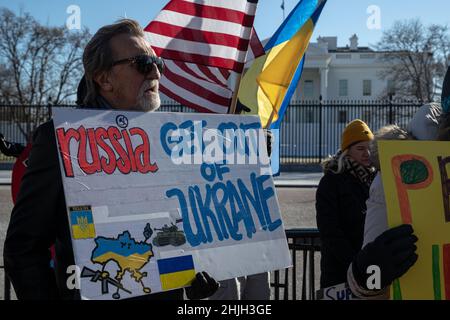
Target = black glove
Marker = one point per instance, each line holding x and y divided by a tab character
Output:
393	252
202	287
10	149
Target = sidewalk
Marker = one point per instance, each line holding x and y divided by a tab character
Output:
285	180
5	177
298	179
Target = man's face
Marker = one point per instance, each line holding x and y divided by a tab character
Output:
130	89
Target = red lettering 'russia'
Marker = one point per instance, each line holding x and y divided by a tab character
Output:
64	138
106	150
142	152
108	164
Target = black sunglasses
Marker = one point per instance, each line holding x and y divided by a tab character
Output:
144	63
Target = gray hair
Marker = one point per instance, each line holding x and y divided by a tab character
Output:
98	55
390	132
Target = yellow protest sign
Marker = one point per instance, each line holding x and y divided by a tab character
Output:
416	185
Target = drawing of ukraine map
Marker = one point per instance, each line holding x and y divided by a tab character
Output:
127	253
122	255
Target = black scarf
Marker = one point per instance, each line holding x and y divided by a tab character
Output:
364	174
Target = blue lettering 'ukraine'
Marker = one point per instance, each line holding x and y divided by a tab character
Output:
254	200
241	214
265	195
206	213
221	210
193	239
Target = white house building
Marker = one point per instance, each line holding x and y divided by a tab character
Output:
341	73
350	73
337	73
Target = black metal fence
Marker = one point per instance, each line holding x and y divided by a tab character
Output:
304	245
311	130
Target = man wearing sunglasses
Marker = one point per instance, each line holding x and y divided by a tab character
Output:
121	72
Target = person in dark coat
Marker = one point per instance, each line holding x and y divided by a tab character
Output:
114	79
341	203
10	149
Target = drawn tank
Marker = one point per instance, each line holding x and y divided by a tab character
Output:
169	235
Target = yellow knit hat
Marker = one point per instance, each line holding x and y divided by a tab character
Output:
355	131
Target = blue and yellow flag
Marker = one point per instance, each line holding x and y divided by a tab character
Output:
176	272
267	83
82	222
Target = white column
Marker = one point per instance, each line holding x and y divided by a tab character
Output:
324	83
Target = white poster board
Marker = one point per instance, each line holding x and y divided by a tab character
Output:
146	215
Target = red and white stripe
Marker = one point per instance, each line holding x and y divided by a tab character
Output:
215	33
255	48
202	88
186	84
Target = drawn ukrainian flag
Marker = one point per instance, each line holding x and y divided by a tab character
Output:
273	77
82	223
176	272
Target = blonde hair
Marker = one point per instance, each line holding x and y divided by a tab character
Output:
98	55
335	163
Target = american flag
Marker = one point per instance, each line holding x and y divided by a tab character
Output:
200	87
200	43
215	33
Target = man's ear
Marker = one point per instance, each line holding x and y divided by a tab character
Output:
103	81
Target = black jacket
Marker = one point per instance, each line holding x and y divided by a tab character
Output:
341	209
38	220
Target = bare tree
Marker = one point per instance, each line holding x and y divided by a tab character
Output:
38	65
6	85
417	56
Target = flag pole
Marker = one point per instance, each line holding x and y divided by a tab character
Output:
269	122
232	109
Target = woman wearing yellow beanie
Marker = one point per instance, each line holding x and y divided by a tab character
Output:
341	202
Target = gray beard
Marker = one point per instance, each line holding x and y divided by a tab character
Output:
145	104
149	105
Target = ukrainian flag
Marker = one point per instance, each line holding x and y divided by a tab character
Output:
176	272
82	223
270	80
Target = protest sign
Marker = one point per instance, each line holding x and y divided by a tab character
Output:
337	292
153	198
416	186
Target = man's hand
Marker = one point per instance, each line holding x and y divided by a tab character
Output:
393	252
10	149
202	287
